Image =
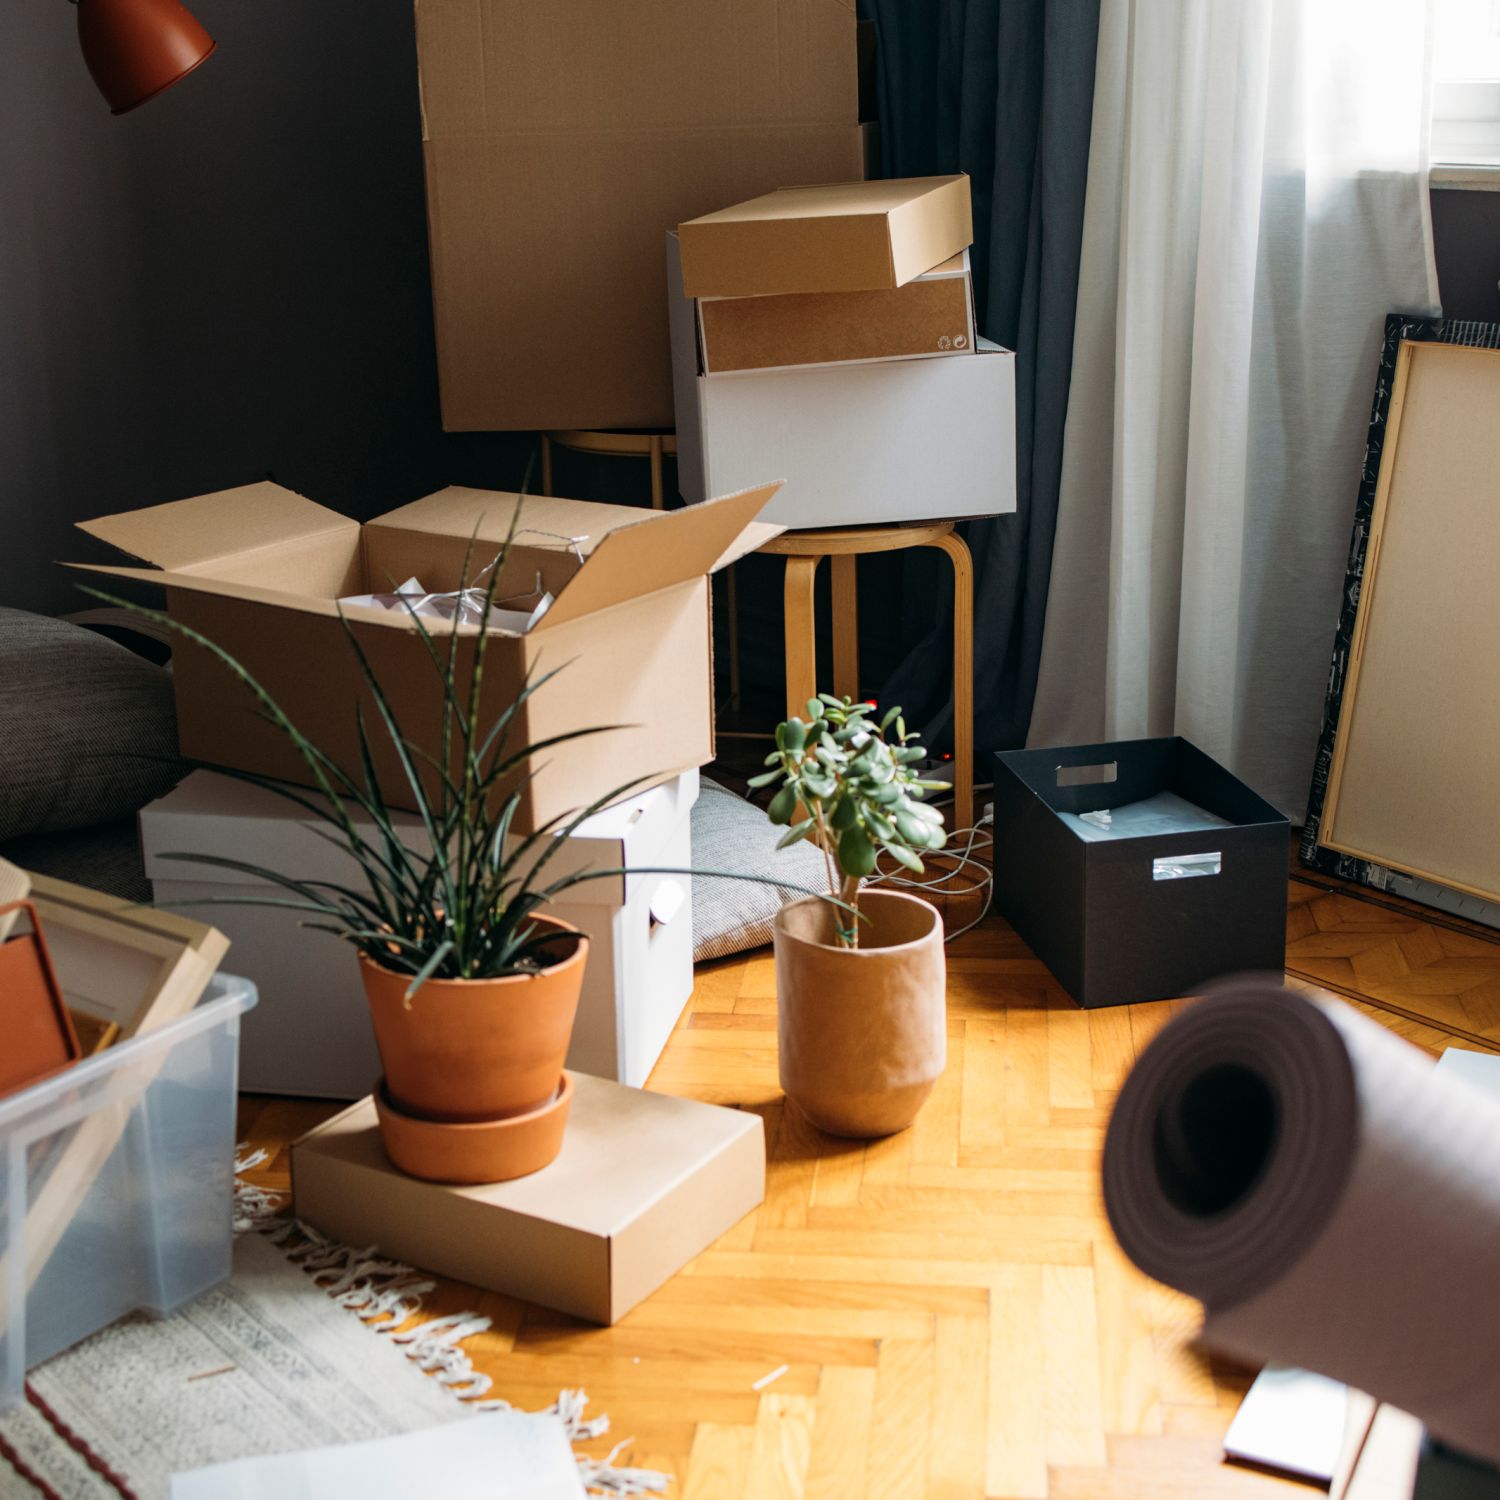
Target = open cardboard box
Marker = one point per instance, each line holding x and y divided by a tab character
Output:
259	570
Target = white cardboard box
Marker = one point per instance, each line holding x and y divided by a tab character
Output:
311	1032
875	442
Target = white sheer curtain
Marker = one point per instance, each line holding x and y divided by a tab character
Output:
1257	202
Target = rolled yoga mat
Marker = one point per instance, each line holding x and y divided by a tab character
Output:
1333	1202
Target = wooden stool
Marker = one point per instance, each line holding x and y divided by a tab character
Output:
647	445
803	551
651	446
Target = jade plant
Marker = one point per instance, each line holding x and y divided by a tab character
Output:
463	907
853	784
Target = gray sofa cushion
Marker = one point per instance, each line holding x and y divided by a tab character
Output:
87	729
732	834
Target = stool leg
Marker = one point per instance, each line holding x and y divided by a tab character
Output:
801	635
732	604
657	500
963	678
845	626
546	464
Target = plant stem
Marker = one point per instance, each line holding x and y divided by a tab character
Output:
850	894
823	844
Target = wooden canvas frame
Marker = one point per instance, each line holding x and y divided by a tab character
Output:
1315	853
173	958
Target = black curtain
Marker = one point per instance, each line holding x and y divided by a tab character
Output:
1002	90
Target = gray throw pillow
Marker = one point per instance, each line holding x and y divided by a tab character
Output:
734	835
87	729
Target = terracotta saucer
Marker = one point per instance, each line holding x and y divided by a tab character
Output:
477	1151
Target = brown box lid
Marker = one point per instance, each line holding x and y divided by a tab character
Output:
644	1182
839	237
932	315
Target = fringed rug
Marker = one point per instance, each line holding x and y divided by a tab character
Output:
279	1359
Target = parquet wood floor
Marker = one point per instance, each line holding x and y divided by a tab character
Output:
954	1318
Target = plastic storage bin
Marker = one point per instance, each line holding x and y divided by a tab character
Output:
117	1183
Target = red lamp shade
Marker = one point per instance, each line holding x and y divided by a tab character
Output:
137	48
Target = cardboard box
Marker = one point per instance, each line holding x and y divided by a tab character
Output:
933	315
258	570
1138	918
561	140
311	1033
886	441
839	237
643	1184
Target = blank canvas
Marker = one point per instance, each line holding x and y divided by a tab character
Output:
1417	759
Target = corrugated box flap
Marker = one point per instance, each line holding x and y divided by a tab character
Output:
222	588
191	534
667	547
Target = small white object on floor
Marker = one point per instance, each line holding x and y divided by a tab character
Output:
765	1380
501	1454
1292	1421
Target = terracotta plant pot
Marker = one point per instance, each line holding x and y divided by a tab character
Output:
863	1031
476	1050
487	1151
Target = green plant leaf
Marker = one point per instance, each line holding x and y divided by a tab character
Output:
796	833
902	855
856	853
783	805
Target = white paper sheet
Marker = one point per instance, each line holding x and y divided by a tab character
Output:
502	1455
1151	817
1291	1420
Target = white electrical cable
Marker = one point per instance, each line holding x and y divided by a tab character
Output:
955	864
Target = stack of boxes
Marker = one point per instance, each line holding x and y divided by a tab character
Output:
643	1182
826	335
267	575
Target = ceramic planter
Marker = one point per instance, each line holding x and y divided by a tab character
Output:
862	1031
482	1055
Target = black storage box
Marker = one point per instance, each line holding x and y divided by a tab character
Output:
1137	918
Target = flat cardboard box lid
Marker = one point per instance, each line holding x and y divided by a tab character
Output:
627	552
839	237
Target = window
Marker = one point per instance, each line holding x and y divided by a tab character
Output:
1466	83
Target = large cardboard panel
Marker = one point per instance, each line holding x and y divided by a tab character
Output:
886	441
548	317
562	140
835	237
644	1183
933	315
1418	747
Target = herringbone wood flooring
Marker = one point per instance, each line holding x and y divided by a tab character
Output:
953	1314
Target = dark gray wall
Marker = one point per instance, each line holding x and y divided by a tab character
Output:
227	283
1466	242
